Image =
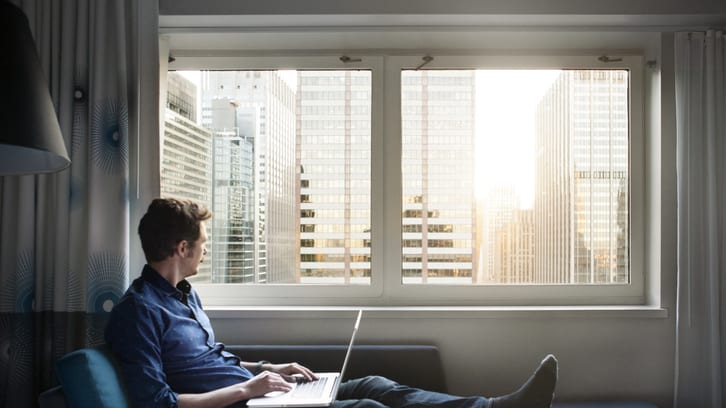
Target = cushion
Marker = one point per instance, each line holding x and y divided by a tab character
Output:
89	378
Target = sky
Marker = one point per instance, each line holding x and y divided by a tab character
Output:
506	103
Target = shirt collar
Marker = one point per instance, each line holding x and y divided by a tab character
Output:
150	275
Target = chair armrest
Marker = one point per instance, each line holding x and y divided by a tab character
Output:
52	398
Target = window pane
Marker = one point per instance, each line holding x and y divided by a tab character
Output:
283	160
515	177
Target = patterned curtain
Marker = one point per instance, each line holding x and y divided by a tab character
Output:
64	238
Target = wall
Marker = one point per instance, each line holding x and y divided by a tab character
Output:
579	8
604	353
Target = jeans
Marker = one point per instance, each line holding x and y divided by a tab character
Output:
380	392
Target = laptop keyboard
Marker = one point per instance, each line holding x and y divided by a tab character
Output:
310	389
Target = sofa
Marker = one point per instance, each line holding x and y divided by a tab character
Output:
89	377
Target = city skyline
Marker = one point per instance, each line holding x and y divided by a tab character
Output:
501	97
458	223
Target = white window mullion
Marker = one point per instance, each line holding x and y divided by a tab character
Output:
391	181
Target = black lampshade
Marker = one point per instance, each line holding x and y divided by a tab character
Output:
30	137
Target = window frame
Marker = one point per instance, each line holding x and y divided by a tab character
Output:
386	287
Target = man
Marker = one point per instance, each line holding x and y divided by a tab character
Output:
165	344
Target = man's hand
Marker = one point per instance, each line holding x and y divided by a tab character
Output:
266	382
292	372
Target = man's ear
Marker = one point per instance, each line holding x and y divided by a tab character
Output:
181	248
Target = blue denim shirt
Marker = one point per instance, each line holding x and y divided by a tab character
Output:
165	343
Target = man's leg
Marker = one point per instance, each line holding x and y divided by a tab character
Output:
537	392
391	394
361	403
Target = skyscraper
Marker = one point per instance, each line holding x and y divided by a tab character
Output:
514	253
181	96
252	113
334	177
439	206
497	213
231	237
186	150
581	194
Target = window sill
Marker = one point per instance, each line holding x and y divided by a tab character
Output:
438	312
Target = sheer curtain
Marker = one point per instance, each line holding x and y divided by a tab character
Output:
701	157
64	238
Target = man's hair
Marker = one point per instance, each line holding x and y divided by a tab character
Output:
167	222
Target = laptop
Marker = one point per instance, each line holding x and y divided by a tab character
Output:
318	393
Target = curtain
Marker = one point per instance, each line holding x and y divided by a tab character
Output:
64	237
701	183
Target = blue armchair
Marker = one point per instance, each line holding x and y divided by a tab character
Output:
88	377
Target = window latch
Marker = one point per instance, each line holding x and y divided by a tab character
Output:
426	59
606	59
346	59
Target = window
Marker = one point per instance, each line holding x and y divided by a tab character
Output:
467	182
290	154
515	176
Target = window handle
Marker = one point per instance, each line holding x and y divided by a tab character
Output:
426	59
605	58
346	59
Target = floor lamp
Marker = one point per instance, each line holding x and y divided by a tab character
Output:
30	138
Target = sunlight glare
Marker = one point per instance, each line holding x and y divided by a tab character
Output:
506	104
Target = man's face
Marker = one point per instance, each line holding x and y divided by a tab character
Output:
196	251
